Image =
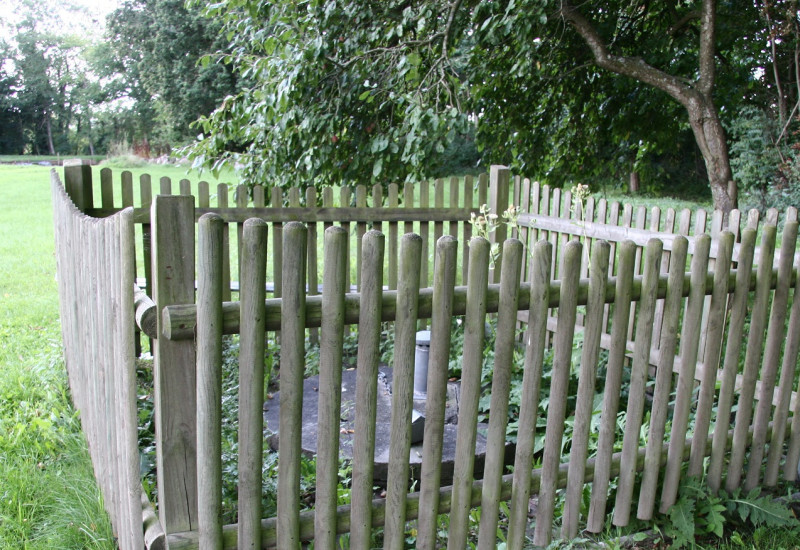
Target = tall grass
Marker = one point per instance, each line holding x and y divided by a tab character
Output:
48	497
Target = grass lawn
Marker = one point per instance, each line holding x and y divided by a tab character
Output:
48	498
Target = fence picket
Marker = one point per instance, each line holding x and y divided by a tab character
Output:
402	391
785	395
690	340
209	381
529	401
616	358
562	358
344	200
586	387
755	339
713	336
438	203
252	375
769	363
738	313
174	377
424	233
369	335
361	229
391	247
636	389
444	279
501	386
313	266
240	196
474	333
291	383
658	317
276	199
330	386
466	230
222	202
146	199
673	304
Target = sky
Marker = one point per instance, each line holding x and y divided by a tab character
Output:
63	16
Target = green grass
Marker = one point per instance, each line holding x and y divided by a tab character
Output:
48	498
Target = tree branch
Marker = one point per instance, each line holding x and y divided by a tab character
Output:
448	29
683	21
633	67
707	41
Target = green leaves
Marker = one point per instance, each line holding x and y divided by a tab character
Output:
698	512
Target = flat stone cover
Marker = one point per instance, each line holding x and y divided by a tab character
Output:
382	439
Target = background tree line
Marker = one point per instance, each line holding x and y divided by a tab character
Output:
678	96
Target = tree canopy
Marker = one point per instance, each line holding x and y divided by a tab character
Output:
374	91
310	92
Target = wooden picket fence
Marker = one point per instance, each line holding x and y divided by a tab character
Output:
634	293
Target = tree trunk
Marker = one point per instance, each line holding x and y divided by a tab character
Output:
633	182
696	97
710	137
49	126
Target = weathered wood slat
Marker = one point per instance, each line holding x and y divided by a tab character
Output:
330	386
474	334
755	339
466	230
499	181
730	364
501	386
402	392
369	335
786	387
424	233
529	401
276	198
222	201
313	263
638	381
713	337
175	380
291	385
252	376
559	387
661	394
690	341
209	381
586	388
438	362
776	330
391	246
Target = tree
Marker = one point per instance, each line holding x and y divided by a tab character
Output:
695	95
338	92
157	45
375	90
11	138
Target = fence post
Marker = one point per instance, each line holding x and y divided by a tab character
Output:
499	184
78	182
174	367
